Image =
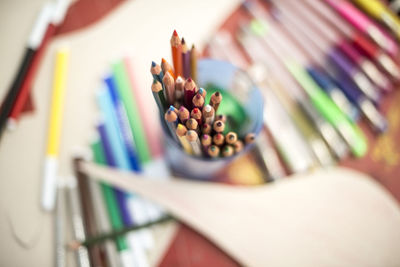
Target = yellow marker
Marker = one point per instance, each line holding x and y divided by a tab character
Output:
381	12
54	132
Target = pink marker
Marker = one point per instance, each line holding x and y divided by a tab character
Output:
365	25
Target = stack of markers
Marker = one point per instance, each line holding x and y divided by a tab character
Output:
125	140
323	66
191	122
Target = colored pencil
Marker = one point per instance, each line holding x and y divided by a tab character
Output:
156	71
179	87
231	138
198	101
192	124
176	49
206	142
218	126
219	139
183	114
208	114
213	151
185	60
194	142
227	151
215	101
188	93
196	114
171	119
193	63
181	133
158	94
206	128
169	86
203	92
166	67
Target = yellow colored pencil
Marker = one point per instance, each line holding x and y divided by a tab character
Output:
54	130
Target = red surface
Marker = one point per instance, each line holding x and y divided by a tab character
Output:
190	249
83	13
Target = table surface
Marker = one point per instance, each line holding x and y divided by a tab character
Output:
26	231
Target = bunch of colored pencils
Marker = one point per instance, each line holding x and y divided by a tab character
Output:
323	66
191	122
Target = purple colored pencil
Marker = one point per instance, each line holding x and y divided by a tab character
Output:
185	60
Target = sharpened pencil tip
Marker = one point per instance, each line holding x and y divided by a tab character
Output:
183	41
175	33
153	64
163	60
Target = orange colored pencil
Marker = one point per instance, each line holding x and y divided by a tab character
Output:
166	67
176	49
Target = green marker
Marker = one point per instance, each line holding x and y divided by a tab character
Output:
109	197
350	132
129	101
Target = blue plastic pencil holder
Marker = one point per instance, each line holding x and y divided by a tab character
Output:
224	76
